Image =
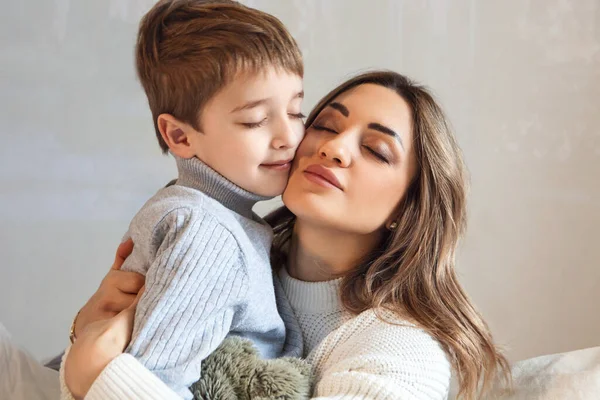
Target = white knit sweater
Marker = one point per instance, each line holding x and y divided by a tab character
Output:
353	357
363	357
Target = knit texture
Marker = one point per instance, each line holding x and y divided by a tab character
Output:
124	378
363	357
205	256
353	357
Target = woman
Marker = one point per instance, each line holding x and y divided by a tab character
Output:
365	249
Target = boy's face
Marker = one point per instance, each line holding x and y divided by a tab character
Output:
251	129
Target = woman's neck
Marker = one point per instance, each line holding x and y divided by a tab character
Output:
319	254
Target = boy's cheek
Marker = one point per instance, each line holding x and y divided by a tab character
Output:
300	134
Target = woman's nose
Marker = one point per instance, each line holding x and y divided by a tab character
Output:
336	151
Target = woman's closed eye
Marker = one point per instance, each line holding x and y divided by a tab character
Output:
377	154
323	127
297	115
380	155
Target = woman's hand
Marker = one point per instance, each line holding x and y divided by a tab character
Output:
96	346
117	291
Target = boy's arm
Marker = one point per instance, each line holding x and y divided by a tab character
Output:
194	289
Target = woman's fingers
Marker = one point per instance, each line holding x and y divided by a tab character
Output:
122	323
126	282
123	251
117	291
138	297
119	302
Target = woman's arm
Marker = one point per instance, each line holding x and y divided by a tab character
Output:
122	378
99	343
94	364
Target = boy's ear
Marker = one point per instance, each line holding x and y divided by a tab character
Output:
177	135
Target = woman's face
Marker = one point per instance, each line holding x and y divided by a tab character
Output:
355	162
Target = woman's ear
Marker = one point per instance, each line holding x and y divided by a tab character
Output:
393	221
391	225
177	135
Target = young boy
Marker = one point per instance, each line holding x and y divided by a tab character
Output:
224	84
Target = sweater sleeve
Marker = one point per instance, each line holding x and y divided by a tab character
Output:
383	362
195	286
125	378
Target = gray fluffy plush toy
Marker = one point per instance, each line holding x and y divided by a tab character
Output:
236	372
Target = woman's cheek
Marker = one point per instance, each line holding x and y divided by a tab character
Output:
310	143
379	193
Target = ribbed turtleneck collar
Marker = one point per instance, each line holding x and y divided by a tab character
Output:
195	174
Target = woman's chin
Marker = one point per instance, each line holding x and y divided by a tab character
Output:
311	207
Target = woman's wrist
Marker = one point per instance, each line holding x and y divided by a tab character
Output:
83	363
72	335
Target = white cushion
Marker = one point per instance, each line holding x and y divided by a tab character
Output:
574	376
22	377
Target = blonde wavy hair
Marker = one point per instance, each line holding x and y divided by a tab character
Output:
412	272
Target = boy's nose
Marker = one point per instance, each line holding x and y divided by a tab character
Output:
287	136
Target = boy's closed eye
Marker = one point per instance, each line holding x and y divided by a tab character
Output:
258	124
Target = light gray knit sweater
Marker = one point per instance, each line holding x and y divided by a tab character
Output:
205	255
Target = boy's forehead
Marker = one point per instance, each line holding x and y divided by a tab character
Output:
247	75
269	82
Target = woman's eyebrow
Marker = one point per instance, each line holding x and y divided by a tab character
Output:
384	129
340	107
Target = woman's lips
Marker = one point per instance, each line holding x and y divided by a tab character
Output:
322	176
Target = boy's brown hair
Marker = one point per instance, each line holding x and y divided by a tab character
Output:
187	50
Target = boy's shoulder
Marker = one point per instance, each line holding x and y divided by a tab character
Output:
181	201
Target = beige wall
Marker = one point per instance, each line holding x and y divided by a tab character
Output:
520	81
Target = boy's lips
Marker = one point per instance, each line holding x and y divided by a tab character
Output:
280	165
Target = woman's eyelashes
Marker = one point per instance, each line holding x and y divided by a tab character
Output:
322	127
378	155
252	125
